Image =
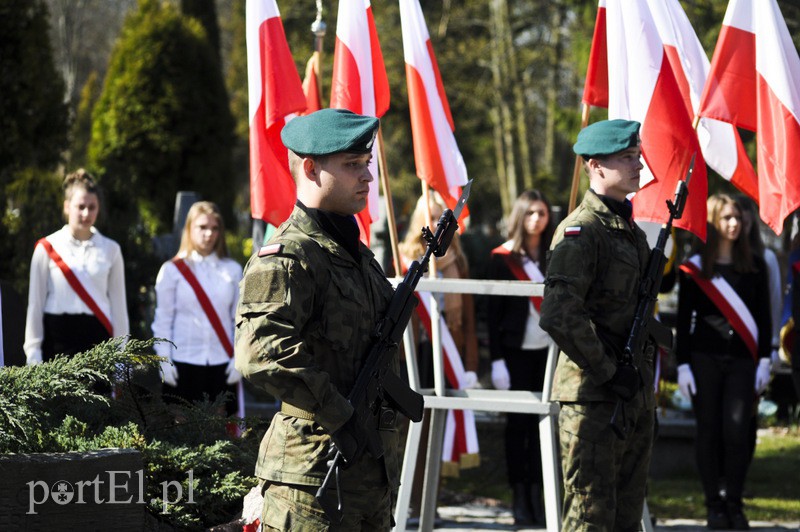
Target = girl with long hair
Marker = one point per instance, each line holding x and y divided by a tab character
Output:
723	348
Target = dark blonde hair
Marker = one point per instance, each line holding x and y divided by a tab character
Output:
516	224
210	209
413	245
80	178
742	255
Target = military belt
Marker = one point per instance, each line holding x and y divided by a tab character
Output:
293	411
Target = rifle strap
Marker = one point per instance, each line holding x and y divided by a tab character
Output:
299	413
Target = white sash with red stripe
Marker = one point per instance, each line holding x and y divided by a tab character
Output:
725	298
213	319
528	271
461	435
82	287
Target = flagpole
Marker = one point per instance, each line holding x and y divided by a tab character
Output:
576	172
387	196
318	28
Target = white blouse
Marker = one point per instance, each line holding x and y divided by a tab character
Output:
180	318
97	262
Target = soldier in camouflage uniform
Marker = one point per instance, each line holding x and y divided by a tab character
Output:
597	258
309	301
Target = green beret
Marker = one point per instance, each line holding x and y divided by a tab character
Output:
330	131
607	137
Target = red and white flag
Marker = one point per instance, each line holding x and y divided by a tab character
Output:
438	159
359	83
275	91
595	91
642	86
754	83
311	85
722	146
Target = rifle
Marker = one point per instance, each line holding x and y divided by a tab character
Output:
378	392
644	325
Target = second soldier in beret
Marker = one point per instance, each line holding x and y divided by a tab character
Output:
309	301
597	259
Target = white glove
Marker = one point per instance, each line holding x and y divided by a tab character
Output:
169	373
233	375
762	375
33	358
470	380
501	380
686	381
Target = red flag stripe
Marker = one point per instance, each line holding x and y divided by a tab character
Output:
595	91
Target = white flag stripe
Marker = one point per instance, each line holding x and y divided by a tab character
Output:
776	56
632	75
257	11
740	15
353	30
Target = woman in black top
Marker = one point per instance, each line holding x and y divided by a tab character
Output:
518	346
723	352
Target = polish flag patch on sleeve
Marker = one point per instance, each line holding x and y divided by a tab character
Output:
575	230
270	249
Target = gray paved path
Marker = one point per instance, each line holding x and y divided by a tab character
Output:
470	518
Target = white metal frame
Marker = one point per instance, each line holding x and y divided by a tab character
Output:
439	400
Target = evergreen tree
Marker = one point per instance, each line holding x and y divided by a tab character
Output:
33	122
162	123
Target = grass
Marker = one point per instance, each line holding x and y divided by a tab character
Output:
772	483
773	480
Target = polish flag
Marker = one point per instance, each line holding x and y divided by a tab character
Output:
311	86
275	91
722	146
643	87
438	159
359	83
754	83
595	91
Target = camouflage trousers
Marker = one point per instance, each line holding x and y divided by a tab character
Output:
605	477
291	507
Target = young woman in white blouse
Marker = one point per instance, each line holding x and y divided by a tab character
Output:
196	296
76	297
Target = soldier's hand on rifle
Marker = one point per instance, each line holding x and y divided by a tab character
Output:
625	382
686	381
350	440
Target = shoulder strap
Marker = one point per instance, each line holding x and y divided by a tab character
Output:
205	303
76	285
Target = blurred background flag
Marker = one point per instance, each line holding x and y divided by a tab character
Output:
438	159
754	83
643	87
359	83
275	92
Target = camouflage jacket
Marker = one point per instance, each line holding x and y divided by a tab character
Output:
306	312
595	264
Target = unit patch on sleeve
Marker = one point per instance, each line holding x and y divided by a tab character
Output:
572	231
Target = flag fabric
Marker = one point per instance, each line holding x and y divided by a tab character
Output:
595	91
754	83
438	159
460	449
722	146
643	87
359	83
275	92
311	85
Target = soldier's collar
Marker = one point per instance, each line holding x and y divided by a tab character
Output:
342	229
608	217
